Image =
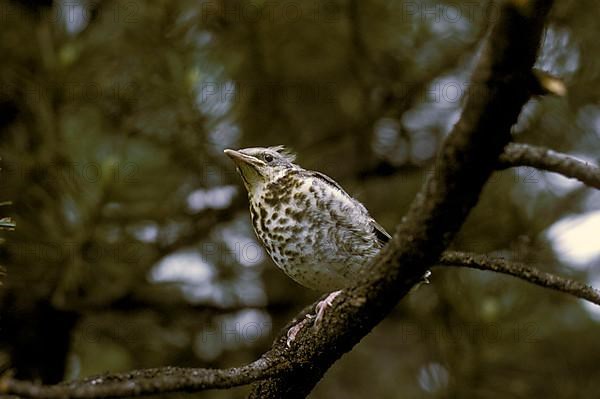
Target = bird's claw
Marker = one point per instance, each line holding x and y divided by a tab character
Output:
322	306
292	332
320	312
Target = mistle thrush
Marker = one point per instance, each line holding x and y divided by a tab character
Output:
313	230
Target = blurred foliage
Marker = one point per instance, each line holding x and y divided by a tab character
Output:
133	246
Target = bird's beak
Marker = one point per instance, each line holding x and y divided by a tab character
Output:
248	166
240	158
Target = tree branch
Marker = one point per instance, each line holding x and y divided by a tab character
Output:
273	363
151	381
545	159
466	161
521	271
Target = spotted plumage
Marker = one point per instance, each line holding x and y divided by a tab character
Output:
313	230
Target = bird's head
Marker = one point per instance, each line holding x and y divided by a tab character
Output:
260	165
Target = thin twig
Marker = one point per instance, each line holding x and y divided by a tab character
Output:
545	159
149	381
523	272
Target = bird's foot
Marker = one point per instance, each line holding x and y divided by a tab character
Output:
293	331
320	308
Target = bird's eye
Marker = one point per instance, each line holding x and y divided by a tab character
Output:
268	157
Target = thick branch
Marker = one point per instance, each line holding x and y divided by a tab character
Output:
521	271
467	159
545	159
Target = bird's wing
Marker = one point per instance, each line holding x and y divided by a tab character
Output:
327	180
382	236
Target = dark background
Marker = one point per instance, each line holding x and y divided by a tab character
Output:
133	246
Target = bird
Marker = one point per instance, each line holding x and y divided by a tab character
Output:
312	229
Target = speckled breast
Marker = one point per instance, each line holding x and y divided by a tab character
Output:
296	221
